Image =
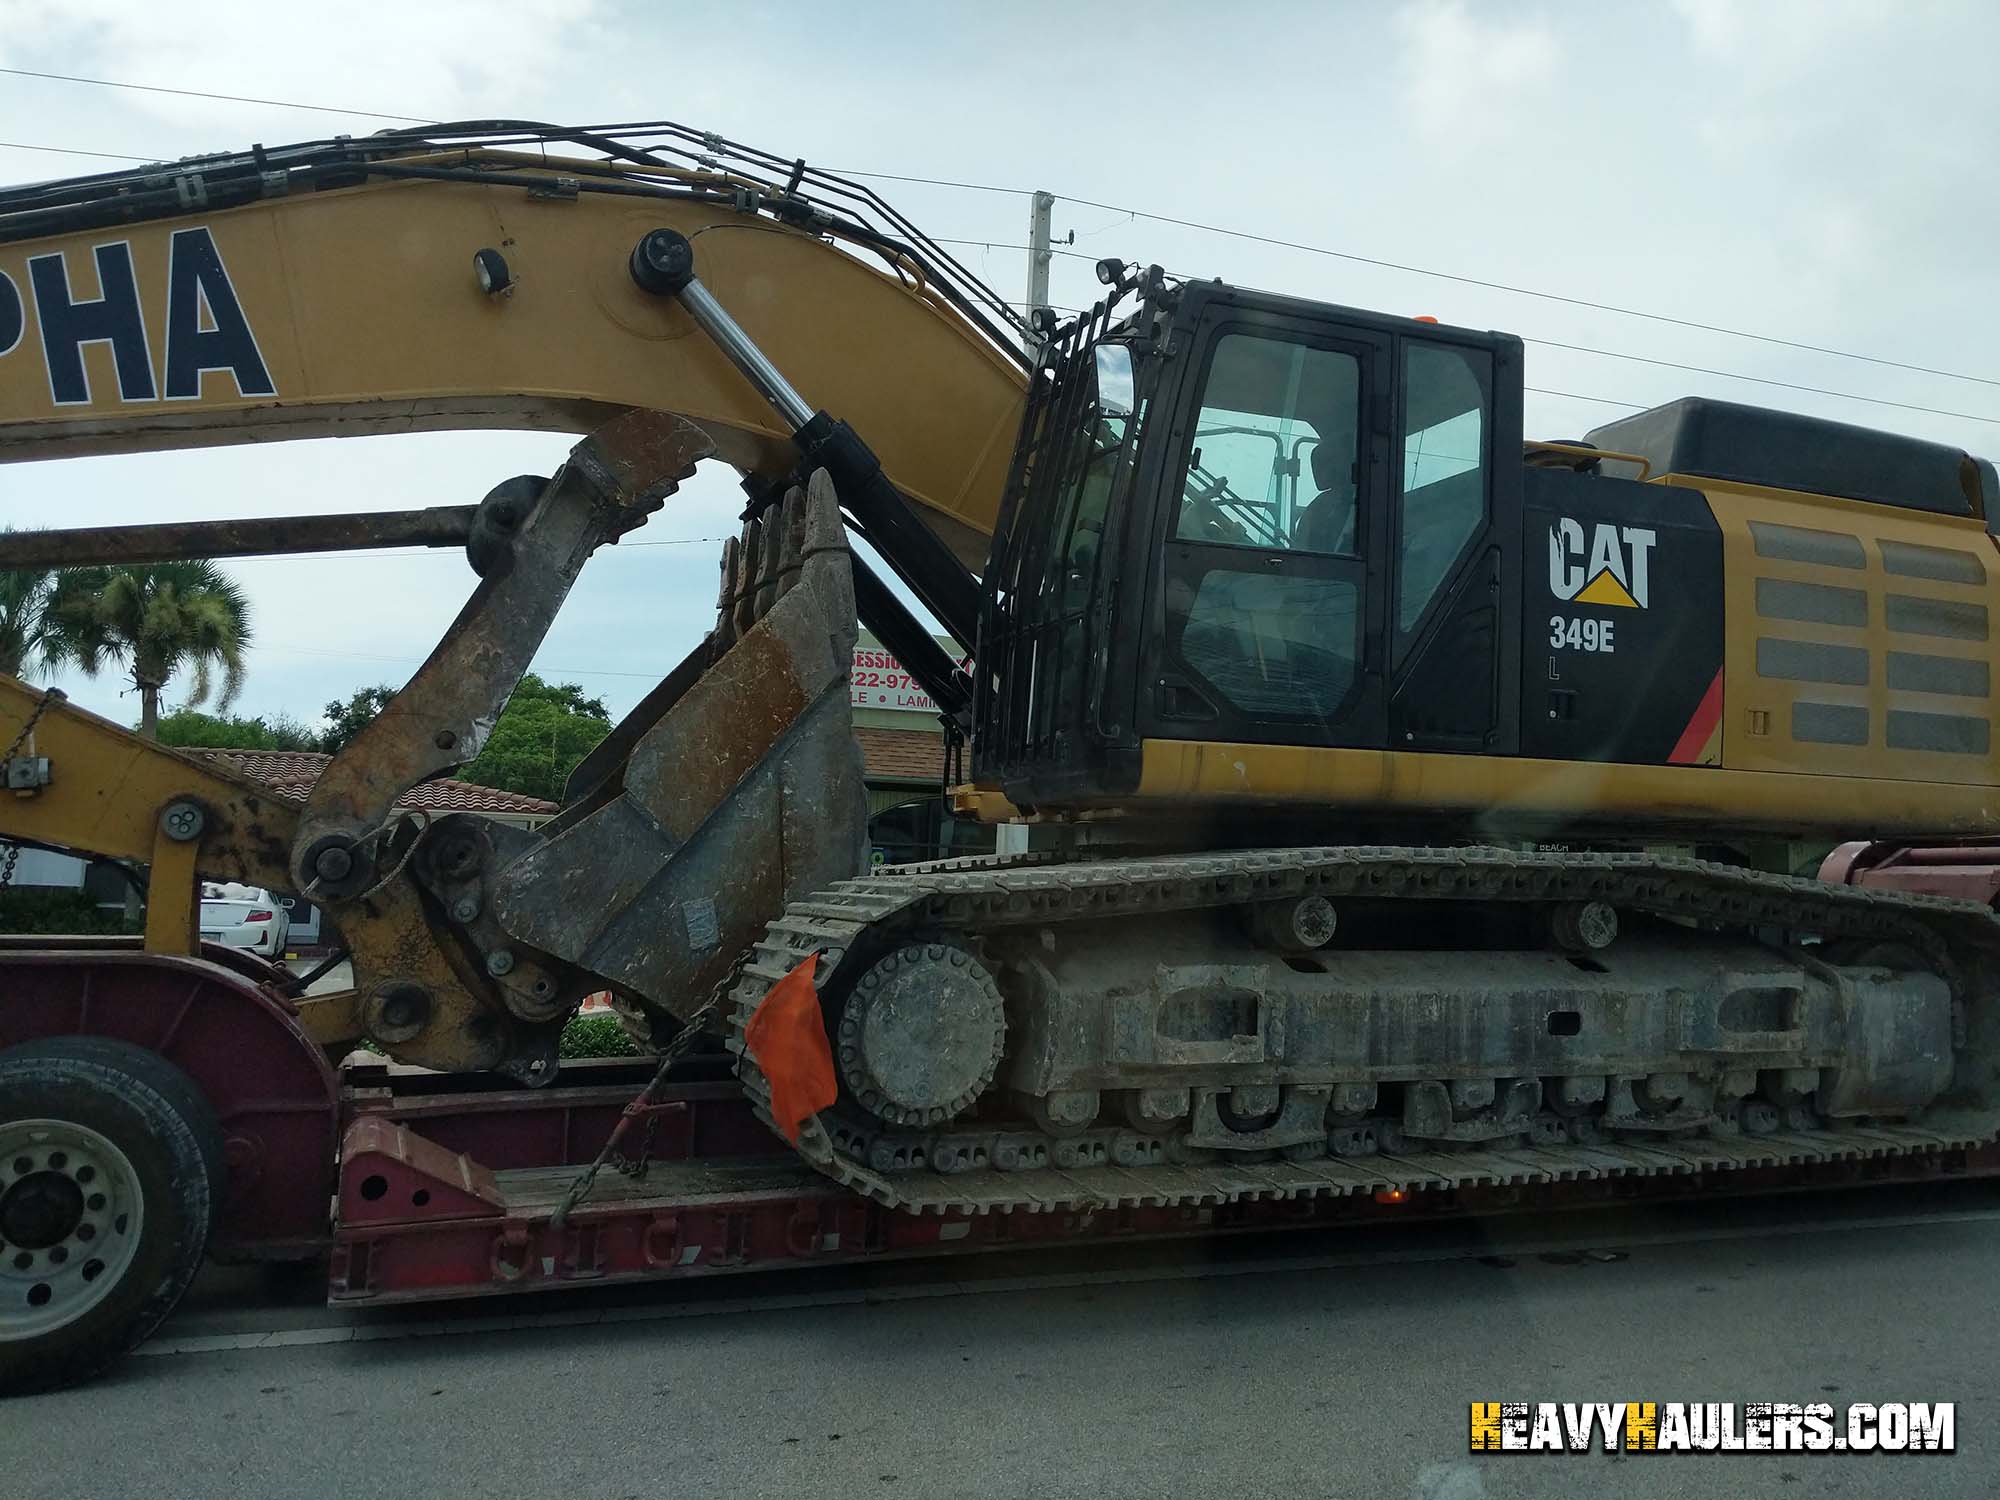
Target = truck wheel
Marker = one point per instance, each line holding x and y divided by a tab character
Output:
110	1168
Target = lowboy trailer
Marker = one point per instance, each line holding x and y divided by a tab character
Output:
417	1185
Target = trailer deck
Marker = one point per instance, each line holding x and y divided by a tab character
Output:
448	1188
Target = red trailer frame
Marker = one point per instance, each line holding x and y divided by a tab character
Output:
450	1193
447	1185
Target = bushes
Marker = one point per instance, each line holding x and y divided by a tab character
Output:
39	909
596	1035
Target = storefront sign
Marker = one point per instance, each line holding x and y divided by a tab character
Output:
877	680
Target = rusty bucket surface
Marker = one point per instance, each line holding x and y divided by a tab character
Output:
739	788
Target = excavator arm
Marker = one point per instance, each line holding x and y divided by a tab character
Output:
392	286
397	285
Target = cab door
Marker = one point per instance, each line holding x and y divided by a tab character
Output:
1274	537
1454	629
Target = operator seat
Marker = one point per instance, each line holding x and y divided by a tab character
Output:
1327	524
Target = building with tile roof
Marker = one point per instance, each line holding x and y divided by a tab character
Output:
291	773
903	762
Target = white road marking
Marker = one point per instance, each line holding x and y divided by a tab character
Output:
346	1333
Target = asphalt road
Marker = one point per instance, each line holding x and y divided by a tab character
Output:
1302	1367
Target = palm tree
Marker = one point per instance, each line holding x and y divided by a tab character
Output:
153	620
23	594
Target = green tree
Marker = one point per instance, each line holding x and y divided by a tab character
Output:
190	727
288	733
345	720
152	620
545	729
24	594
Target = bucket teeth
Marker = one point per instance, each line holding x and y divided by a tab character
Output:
766	562
832	576
725	621
743	598
770	549
823	531
791	539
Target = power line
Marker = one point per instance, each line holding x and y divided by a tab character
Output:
1170	219
1056	306
938	239
974	187
1593	400
406	552
416	661
153	88
1783	385
256	557
1643	359
1497	286
1079	255
73	151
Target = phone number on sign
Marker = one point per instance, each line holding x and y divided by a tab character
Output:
901	682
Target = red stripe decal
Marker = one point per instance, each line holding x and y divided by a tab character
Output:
1707	714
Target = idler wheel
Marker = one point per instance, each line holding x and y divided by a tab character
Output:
921	1034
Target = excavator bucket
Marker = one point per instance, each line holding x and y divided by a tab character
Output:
735	787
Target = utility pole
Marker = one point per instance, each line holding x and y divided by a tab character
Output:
1012	838
1041	210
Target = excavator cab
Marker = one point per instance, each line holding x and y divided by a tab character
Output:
1238	518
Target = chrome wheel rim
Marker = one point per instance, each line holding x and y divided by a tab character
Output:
71	1213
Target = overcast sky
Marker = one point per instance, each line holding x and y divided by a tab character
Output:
1818	171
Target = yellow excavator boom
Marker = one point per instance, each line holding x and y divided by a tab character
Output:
333	311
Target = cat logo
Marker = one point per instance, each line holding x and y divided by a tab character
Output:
1613	570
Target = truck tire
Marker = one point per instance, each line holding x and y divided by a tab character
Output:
111	1169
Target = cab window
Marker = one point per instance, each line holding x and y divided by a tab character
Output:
1446	401
1273	459
1263	577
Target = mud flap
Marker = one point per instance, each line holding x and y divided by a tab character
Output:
744	792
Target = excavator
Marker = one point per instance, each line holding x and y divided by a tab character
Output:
1401	787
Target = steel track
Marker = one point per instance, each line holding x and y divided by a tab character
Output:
851	922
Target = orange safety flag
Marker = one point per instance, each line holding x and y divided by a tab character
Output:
788	1039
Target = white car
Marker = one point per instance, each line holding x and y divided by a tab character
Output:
244	916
